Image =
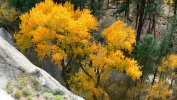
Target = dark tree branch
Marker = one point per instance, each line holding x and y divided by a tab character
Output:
84	69
69	61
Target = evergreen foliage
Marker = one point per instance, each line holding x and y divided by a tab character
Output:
146	53
24	5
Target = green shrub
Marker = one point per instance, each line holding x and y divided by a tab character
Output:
19	85
46	89
30	97
48	95
58	92
26	91
9	89
18	94
58	97
36	82
37	64
21	82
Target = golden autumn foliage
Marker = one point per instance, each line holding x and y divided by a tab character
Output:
164	85
168	63
54	28
158	91
169	1
105	59
119	37
8	14
86	86
59	31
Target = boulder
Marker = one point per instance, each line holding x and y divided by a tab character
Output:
13	63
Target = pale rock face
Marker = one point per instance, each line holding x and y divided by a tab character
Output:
6	36
13	63
46	64
5	96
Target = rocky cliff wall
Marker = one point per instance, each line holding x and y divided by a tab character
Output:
13	63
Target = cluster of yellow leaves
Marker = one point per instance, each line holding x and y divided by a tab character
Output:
85	86
105	59
169	1
168	63
119	36
132	68
159	91
7	13
98	56
49	24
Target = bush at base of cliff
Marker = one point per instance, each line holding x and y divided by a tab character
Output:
18	94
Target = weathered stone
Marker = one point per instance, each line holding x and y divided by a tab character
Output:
6	36
5	96
13	63
46	64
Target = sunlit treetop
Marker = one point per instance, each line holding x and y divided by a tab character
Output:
107	61
119	36
55	29
169	62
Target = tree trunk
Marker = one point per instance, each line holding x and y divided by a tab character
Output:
141	22
137	16
64	75
155	74
175	6
153	26
127	12
108	4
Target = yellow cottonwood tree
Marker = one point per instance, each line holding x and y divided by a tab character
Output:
105	59
56	31
59	31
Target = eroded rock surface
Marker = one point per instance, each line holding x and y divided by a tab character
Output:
13	63
6	36
5	96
